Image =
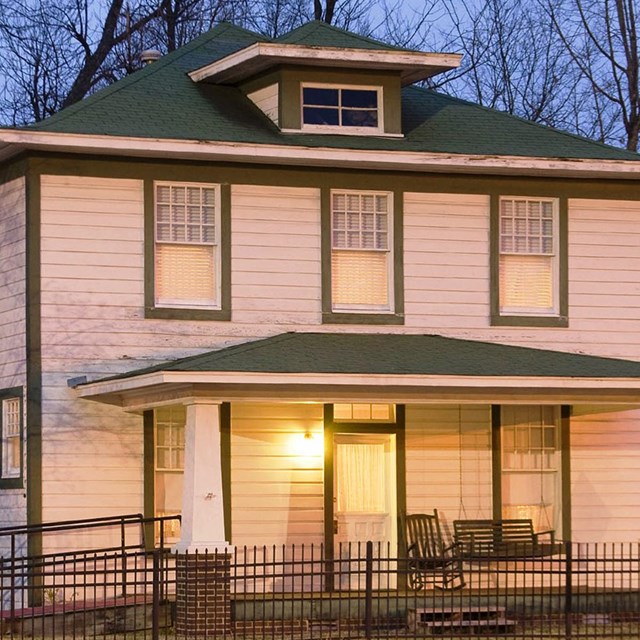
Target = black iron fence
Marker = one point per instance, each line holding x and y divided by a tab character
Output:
359	591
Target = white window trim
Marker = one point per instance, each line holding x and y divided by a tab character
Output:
339	129
532	311
6	471
389	308
169	303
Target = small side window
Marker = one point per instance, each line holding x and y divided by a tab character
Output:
11	442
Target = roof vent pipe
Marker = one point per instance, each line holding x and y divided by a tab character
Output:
149	55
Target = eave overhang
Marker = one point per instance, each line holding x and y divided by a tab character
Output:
165	387
412	66
16	141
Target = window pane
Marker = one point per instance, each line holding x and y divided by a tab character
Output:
359	118
360	277
185	273
319	96
526	281
359	98
318	115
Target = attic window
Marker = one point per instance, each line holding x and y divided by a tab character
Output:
352	109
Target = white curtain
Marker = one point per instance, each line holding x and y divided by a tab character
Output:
360	470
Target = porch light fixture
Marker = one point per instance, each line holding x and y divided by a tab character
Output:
308	445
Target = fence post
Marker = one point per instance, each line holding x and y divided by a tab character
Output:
368	591
568	590
155	604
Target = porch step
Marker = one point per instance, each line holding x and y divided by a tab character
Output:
475	627
466	620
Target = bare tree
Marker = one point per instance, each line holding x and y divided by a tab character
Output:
54	52
512	60
601	38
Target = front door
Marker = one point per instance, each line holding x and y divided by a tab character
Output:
365	505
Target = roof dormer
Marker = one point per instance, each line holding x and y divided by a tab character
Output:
309	88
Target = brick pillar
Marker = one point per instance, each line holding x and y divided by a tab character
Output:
203	595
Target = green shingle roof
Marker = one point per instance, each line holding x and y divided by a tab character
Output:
396	354
161	101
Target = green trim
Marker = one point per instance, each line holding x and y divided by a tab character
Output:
396	428
225	457
496	461
505	320
167	313
14	393
329	316
16	168
34	361
297	176
565	471
149	484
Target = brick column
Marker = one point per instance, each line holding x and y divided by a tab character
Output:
203	595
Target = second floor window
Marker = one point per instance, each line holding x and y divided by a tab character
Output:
361	261
529	256
187	245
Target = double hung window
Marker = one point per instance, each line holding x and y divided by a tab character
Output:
361	258
187	246
529	257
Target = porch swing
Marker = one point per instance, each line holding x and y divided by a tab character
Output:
508	538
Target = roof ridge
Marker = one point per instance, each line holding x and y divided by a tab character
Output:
142	74
537	125
325	25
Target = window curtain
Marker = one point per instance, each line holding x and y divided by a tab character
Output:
360	470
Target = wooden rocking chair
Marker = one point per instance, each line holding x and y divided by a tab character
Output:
429	560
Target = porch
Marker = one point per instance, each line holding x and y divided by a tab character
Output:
587	591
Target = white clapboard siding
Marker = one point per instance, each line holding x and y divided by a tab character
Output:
12	284
604	273
266	99
276	493
448	460
276	254
446	244
92	300
12	322
605	449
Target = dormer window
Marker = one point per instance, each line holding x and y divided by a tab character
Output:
336	108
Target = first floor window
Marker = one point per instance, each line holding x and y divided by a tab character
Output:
361	257
169	439
531	465
529	249
187	245
11	437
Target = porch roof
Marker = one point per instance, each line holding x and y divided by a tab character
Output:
397	366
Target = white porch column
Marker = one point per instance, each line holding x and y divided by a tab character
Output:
202	504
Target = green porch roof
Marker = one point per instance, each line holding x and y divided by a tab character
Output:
161	101
393	354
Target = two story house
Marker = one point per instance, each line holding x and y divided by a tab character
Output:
275	286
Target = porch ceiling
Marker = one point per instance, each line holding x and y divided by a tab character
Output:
329	367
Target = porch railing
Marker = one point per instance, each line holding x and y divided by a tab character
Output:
587	591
